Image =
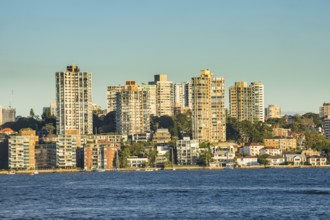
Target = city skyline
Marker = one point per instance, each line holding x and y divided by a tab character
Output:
283	44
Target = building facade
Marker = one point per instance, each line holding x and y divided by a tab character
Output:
208	112
112	98
21	150
274	111
66	148
152	90
99	154
162	136
247	102
7	115
164	95
325	110
285	144
133	110
327	127
45	155
187	151
74	101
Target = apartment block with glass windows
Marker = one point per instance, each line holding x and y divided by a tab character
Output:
247	102
208	108
164	95
74	101
187	151
133	110
21	149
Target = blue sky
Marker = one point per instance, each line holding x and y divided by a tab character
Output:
283	43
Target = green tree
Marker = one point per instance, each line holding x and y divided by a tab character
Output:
262	159
32	115
49	128
151	155
123	155
205	157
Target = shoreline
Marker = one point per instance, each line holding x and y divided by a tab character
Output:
32	172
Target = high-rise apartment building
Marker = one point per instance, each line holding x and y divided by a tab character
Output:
133	110
21	149
188	95
74	101
325	110
152	89
208	112
111	97
247	102
179	94
7	115
273	111
164	95
182	94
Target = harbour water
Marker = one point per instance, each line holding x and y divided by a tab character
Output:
220	194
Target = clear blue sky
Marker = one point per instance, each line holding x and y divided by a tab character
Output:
283	43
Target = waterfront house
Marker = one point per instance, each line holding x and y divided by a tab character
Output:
137	162
247	161
275	160
317	161
222	156
295	159
187	151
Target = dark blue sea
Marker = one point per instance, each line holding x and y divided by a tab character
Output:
223	194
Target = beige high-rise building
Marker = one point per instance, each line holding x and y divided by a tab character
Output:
53	107
325	110
111	97
74	101
208	111
21	152
247	102
133	110
164	95
273	111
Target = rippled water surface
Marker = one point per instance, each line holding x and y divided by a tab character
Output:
223	194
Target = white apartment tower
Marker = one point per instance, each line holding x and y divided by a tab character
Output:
179	94
164	95
208	111
133	110
247	102
111	97
74	101
182	94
